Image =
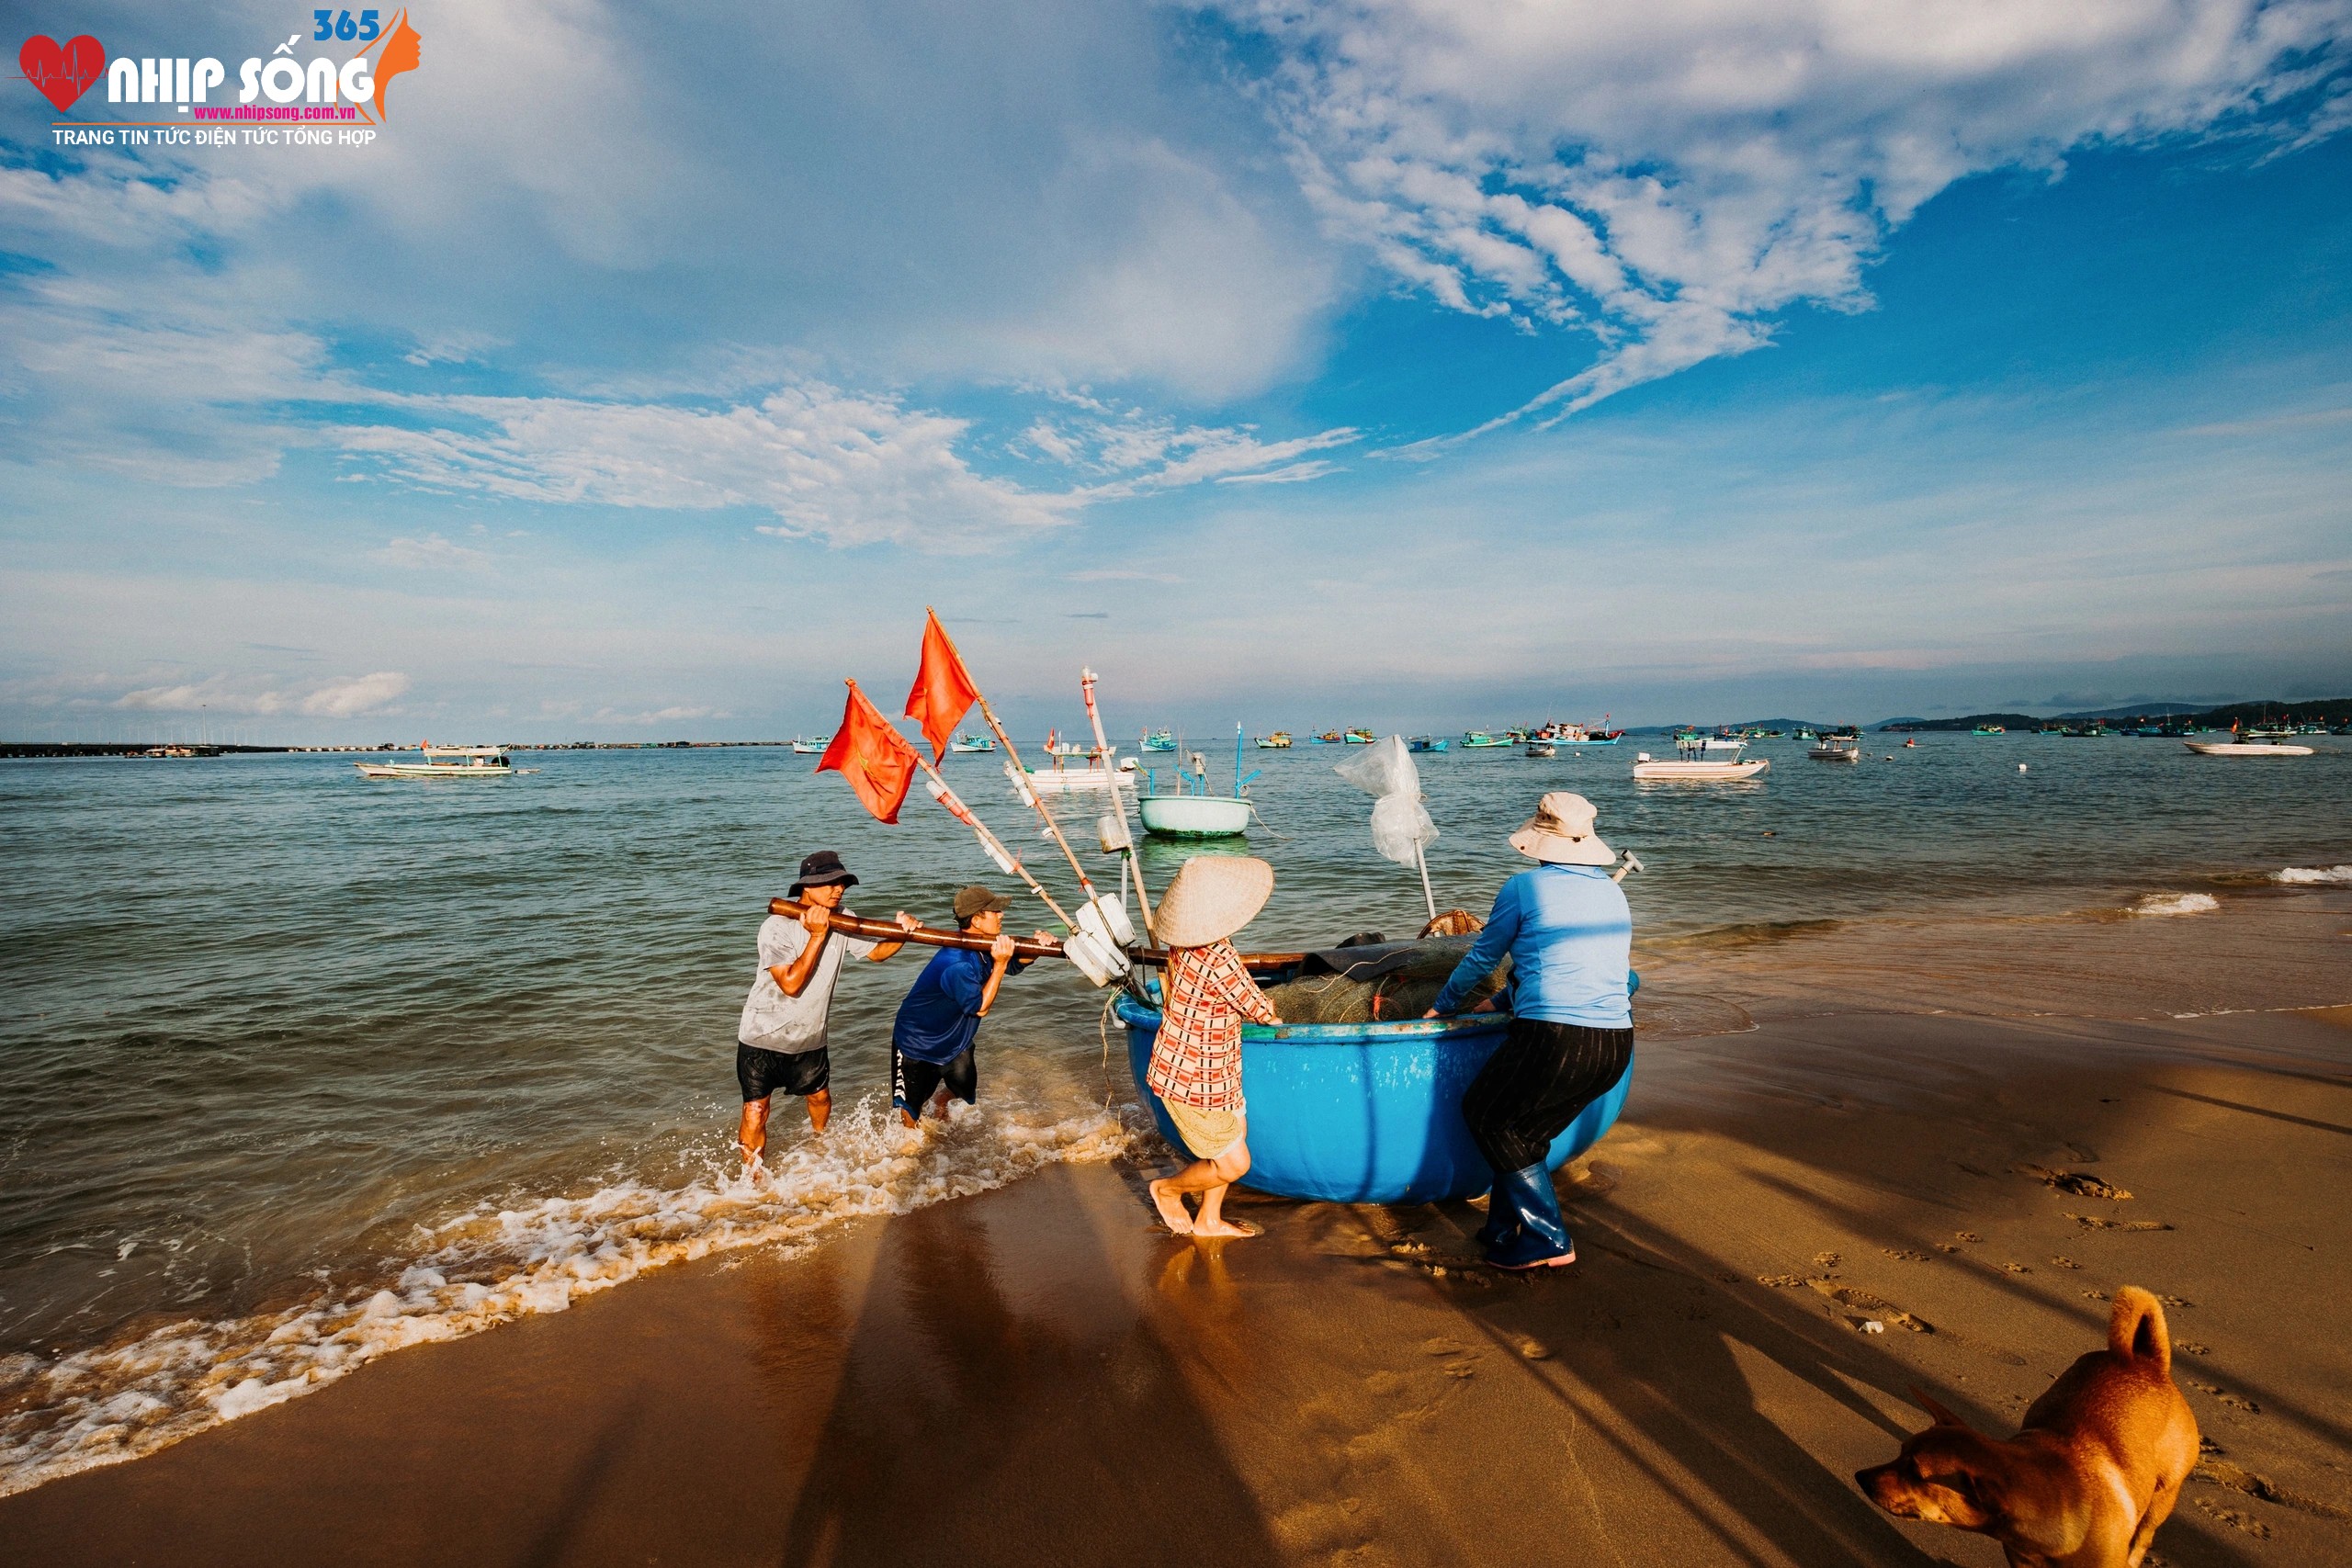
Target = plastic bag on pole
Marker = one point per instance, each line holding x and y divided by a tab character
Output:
1401	827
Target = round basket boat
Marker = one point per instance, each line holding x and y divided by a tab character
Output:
1365	1113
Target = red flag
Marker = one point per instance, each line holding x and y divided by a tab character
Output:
868	750
945	691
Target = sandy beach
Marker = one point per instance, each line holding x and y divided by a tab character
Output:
1040	1375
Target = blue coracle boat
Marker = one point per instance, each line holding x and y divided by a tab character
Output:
1365	1112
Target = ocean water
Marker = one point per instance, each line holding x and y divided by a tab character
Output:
300	1069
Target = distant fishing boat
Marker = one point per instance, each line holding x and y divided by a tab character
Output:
1837	746
1699	760
1278	741
1480	740
968	743
1159	740
446	762
1989	729
810	747
1359	737
1424	743
1543	749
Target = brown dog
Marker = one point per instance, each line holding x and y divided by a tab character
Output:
2096	1467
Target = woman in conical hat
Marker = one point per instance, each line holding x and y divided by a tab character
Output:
1569	933
1196	1061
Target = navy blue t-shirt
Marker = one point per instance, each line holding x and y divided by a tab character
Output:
941	1015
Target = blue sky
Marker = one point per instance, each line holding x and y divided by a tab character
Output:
1407	364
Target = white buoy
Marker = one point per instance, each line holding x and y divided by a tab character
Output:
2020	767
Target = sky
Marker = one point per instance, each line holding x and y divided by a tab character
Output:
1407	364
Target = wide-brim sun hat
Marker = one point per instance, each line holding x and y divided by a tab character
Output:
1560	833
1211	898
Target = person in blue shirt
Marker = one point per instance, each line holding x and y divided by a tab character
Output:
1570	934
931	1042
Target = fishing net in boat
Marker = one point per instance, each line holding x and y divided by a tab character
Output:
1378	982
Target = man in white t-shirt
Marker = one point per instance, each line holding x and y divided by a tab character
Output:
780	1044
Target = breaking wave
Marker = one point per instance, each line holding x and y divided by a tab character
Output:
2176	904
487	1267
2306	874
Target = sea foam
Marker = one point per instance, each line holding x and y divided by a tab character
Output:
2176	904
487	1267
2305	874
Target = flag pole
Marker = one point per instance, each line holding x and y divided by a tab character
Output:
1016	769
1133	865
989	842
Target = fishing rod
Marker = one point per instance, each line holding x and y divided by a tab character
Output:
1005	858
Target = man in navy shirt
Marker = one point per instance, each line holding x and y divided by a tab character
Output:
930	1044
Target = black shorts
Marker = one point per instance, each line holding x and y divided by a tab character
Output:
1539	1080
763	1072
912	1083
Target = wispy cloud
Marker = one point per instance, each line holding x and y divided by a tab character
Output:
343	698
430	553
1666	179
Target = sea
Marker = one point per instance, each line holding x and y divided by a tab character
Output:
298	1070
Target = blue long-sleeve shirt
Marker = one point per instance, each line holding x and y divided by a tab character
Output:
1570	937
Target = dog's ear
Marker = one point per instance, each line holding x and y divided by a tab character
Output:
1926	1402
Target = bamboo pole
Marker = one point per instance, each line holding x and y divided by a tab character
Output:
989	842
1134	864
1029	793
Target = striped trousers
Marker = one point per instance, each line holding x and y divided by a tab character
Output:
1540	1080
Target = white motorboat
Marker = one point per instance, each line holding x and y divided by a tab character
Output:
1090	778
1838	746
448	762
810	747
1698	761
2245	749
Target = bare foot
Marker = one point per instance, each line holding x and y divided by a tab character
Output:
1170	1205
1225	1227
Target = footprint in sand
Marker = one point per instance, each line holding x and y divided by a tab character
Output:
2236	1519
1906	1254
2017	1267
1967	1235
2092	1222
2080	1184
1826	1260
2234	1401
2063	1263
2192	1347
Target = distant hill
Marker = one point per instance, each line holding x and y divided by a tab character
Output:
2329	710
2006	720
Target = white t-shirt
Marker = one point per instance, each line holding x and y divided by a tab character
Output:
774	1021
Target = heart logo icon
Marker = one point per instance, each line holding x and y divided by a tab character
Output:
63	71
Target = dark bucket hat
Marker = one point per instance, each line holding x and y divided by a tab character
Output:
822	869
978	900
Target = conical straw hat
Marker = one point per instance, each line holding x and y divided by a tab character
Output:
1212	896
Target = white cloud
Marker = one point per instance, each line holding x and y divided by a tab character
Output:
432	553
345	697
1667	176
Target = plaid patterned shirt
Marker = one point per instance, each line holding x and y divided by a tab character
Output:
1197	1058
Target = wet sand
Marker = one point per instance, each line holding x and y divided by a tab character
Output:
1040	1376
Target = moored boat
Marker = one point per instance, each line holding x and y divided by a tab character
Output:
1543	749
1278	741
810	747
1425	743
1359	737
1837	746
1480	740
1701	761
1989	729
2245	749
446	762
1159	740
964	744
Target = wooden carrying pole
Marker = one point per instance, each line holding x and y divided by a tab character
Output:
1025	947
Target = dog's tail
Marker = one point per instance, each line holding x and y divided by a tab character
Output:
2136	1330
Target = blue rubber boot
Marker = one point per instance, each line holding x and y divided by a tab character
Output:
1502	1220
1542	1240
